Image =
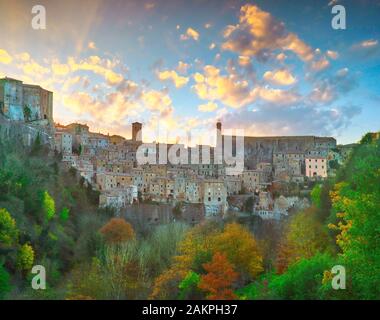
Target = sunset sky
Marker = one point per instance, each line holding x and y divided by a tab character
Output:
269	67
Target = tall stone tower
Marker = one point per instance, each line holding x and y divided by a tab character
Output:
137	131
218	157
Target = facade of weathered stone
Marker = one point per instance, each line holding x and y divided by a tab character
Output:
25	102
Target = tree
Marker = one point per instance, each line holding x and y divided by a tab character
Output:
304	237
316	195
219	278
177	210
193	251
117	231
64	215
37	145
8	229
48	206
334	164
27	113
5	286
25	258
87	280
189	287
356	207
302	280
240	247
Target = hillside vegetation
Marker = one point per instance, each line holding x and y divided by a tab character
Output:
49	217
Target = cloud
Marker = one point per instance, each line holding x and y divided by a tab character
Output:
369	43
235	90
190	33
157	101
208	107
60	69
173	76
281	56
319	64
182	67
244	61
33	68
82	103
24	56
330	88
230	90
301	119
258	33
280	77
92	45
277	96
98	66
5	57
149	6
332	54
366	48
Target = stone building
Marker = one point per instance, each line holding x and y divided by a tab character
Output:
316	166
251	180
25	102
214	197
63	142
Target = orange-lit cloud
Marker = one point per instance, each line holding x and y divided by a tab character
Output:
332	54
208	107
92	45
280	77
190	34
173	76
211	85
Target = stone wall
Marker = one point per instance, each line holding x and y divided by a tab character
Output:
261	149
23	133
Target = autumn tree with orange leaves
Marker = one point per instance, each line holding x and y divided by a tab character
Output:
219	278
117	231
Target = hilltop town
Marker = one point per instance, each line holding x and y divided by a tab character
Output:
278	171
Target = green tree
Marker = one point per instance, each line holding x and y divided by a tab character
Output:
8	229
316	195
302	280
64	215
27	113
5	286
48	205
304	236
188	287
25	258
356	207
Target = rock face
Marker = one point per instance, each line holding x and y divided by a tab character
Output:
24	133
